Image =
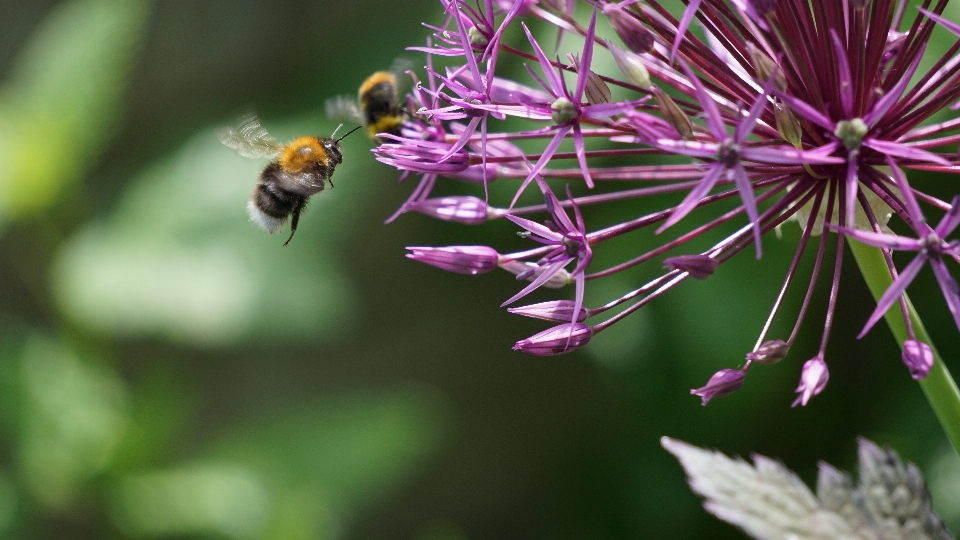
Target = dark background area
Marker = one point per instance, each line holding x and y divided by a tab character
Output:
168	370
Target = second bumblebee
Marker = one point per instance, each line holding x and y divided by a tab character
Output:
378	111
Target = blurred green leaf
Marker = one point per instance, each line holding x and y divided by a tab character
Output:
297	472
179	259
195	498
63	96
74	415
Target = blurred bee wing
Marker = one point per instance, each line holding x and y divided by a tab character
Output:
250	139
343	109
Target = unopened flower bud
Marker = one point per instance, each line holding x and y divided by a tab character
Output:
813	379
459	209
723	383
460	259
634	35
765	67
596	90
477	39
673	115
895	42
764	7
631	66
769	352
562	111
787	124
560	339
918	356
851	132
554	310
698	266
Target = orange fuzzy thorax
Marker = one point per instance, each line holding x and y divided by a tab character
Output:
375	79
302	153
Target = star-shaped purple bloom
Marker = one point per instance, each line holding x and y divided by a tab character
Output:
931	247
570	243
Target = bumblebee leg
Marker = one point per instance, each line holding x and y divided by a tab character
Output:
298	207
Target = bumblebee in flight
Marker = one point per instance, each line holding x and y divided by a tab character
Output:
376	106
299	169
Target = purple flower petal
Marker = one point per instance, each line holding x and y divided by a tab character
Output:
749	203
710	110
904	151
552	77
688	14
893	292
951	293
583	72
843	70
554	310
693	198
581	152
950	220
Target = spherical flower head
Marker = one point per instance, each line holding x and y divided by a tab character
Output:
723	383
768	111
560	339
470	260
918	356
813	379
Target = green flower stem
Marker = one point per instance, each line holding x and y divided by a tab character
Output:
938	386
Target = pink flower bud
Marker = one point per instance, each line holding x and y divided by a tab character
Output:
560	339
459	209
813	379
723	383
461	259
698	266
918	356
769	352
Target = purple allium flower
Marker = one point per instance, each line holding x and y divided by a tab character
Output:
743	114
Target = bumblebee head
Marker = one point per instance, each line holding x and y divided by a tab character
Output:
332	146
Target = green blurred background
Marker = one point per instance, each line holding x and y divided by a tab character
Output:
169	371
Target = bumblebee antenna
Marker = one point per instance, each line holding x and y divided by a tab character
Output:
349	132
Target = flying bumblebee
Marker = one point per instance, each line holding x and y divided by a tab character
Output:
299	169
376	105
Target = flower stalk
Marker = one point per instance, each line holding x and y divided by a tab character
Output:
938	386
